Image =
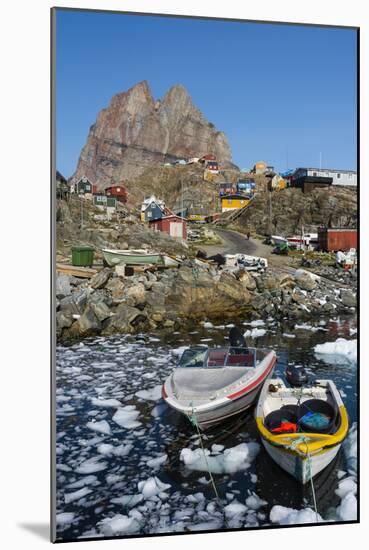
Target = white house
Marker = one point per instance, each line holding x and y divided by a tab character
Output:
339	177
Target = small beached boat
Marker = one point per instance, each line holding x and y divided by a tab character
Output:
212	384
138	257
249	263
302	429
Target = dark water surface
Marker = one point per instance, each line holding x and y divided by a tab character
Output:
99	471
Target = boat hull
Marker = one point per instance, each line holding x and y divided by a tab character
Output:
301	467
113	258
207	419
240	399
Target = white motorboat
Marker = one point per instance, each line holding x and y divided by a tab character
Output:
212	384
249	263
302	429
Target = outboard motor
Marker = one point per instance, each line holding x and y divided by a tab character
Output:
236	338
296	375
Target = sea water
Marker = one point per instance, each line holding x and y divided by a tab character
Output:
127	464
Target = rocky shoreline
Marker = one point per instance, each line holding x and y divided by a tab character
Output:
168	300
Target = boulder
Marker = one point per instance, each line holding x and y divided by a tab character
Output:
125	320
100	278
62	285
116	287
305	280
137	294
101	310
88	323
348	298
246	279
75	303
64	319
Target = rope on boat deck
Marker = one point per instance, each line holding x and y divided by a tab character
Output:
293	446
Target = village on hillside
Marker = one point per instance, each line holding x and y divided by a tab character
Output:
231	198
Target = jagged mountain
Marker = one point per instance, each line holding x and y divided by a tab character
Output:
136	132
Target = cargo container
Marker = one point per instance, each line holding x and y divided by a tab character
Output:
332	240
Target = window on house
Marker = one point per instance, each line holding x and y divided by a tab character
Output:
315	174
338	176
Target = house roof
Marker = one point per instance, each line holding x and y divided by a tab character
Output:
168	217
327	170
234	196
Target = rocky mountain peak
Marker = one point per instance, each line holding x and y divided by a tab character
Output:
136	132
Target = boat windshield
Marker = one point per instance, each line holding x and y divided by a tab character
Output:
199	356
231	357
194	357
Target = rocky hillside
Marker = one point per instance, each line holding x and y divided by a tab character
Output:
120	233
136	132
336	207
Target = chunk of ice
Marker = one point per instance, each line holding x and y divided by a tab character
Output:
151	487
340	349
101	427
290	516
126	417
118	525
76	495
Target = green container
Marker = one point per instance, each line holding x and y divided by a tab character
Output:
82	256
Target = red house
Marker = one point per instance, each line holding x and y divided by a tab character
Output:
117	191
331	240
174	225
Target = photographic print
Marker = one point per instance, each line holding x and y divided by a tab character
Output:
205	251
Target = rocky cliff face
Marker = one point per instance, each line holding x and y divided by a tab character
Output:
136	132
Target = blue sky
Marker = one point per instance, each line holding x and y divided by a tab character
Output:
281	93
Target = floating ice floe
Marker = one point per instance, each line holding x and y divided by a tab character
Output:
254	502
345	486
128	500
152	394
179	351
64	518
86	480
126	417
101	427
118	525
91	466
76	495
305	326
347	510
338	351
96	402
287	335
255	332
157	462
290	516
230	461
152	487
235	509
350	450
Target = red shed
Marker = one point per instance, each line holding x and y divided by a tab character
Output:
330	240
174	225
117	191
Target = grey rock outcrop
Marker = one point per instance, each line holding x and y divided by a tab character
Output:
136	132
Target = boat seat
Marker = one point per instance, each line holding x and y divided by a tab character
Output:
243	359
217	359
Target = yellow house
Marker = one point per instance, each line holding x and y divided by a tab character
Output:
234	202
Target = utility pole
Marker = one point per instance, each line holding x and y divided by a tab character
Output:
81	213
270	211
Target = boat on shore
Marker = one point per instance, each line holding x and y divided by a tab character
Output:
138	257
210	385
302	429
248	263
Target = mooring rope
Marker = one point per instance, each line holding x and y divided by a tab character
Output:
193	419
294	447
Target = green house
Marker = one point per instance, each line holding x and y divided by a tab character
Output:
84	186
